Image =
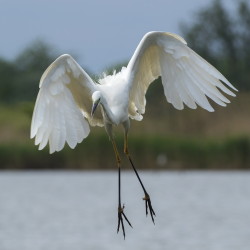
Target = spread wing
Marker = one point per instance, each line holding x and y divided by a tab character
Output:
63	105
186	77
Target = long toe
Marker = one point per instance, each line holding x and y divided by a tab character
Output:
149	207
151	210
122	215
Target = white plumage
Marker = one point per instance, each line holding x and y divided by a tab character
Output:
63	107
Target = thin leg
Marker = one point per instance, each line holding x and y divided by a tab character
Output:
148	204
121	213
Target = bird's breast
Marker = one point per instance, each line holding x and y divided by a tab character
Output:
116	96
120	113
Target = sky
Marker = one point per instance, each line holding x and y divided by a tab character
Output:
101	33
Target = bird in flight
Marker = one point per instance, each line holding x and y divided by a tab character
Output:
69	100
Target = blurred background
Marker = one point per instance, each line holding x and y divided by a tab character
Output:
104	40
34	34
102	36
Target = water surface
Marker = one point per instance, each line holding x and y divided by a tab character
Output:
78	210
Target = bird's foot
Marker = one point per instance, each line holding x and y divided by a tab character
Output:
149	206
121	215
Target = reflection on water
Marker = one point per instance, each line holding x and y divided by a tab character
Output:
78	210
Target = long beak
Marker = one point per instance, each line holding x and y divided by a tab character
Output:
94	108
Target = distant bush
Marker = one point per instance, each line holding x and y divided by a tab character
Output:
97	153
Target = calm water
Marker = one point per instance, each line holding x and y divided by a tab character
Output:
78	211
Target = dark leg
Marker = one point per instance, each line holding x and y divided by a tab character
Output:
148	204
121	214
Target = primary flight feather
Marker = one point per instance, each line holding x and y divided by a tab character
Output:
69	100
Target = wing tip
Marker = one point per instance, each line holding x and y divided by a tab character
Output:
32	134
226	82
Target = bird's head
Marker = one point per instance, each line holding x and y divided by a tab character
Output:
96	98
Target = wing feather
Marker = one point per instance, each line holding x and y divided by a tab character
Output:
187	78
63	106
207	86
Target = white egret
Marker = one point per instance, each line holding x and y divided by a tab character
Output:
69	100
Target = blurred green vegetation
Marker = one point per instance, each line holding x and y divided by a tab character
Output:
167	138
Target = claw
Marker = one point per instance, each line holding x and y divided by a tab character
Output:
148	205
121	215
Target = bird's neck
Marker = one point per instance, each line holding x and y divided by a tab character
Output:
109	116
